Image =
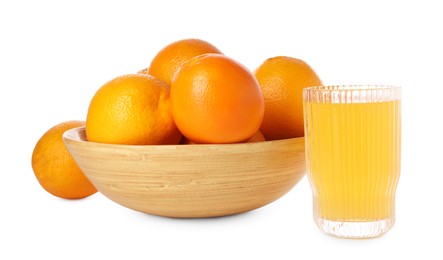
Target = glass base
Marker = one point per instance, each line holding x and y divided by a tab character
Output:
355	229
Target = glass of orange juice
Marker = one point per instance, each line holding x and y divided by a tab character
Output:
353	139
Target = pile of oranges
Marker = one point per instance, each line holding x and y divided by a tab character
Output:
191	93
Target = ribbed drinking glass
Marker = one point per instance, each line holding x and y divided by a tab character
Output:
353	143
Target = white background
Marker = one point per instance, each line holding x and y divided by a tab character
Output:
54	55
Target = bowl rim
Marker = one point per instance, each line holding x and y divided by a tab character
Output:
74	135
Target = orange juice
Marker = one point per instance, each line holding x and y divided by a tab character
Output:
353	159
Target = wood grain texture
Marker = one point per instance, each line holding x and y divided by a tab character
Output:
190	181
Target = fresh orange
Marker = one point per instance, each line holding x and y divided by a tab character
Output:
215	99
54	167
132	109
258	137
282	80
171	58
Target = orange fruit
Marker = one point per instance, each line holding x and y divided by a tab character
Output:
171	58
132	109
282	80
258	137
215	99
54	167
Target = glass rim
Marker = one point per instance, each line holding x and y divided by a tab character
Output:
354	87
351	93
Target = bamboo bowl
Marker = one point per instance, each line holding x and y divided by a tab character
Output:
190	181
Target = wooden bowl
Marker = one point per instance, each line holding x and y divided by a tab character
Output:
190	181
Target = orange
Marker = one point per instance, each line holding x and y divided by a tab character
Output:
215	99
171	58
258	137
132	109
282	80
54	167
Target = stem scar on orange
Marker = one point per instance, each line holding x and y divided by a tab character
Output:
215	99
